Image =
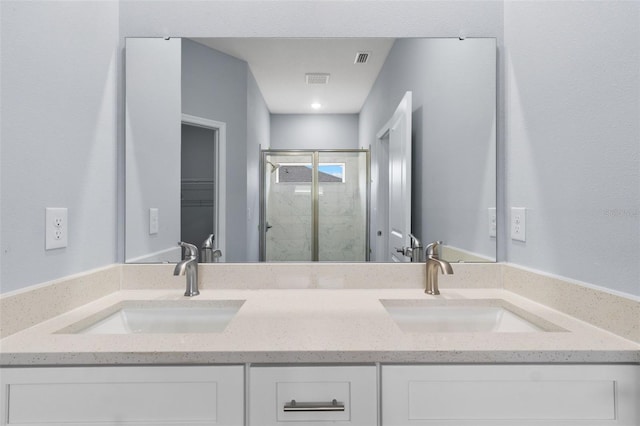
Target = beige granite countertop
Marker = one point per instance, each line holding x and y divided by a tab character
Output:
316	326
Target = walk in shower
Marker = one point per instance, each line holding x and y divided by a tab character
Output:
314	205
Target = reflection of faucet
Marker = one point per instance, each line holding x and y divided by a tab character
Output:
433	264
414	251
207	253
189	267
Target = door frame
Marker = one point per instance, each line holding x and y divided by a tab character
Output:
220	175
403	110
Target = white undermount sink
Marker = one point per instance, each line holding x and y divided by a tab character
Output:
472	316
161	317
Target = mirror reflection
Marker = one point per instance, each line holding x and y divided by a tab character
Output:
310	149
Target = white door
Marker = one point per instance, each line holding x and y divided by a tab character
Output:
397	134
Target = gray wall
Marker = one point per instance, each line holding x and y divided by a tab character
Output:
314	131
453	120
258	131
222	88
59	95
573	86
214	86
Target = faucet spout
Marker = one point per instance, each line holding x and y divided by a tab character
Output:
181	267
189	267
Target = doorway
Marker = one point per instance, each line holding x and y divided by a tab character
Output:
197	184
202	183
314	205
392	185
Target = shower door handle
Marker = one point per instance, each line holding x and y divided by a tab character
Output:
267	227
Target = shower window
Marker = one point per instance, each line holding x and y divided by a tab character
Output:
303	173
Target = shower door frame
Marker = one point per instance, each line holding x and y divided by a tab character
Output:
315	210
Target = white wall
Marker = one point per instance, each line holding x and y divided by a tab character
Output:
319	18
314	131
59	70
573	140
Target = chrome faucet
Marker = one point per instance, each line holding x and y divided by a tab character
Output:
433	264
207	253
189	267
414	251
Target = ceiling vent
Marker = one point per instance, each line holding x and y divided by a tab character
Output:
317	78
362	58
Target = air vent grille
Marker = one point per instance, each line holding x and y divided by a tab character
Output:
362	58
317	78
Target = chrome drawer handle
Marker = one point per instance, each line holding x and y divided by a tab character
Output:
313	406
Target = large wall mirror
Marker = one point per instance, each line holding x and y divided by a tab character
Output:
310	149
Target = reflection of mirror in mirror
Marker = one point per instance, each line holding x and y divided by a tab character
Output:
244	96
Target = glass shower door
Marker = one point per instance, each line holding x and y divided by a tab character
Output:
342	206
288	207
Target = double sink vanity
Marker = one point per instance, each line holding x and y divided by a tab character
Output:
313	344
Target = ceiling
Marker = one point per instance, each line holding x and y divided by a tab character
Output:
279	66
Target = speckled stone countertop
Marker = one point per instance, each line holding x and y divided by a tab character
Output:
317	326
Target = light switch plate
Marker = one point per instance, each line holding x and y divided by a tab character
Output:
493	222
518	223
154	221
56	228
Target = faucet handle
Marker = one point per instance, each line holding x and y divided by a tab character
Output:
406	251
432	249
190	249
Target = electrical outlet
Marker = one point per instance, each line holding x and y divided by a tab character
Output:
518	223
56	228
493	222
154	221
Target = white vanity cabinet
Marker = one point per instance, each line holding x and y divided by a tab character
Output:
323	395
141	396
511	395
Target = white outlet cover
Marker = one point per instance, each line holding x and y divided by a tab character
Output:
56	228
519	224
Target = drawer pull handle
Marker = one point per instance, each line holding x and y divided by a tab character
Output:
313	406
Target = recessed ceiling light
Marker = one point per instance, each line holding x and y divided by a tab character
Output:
316	105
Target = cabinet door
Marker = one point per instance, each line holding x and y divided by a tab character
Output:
123	396
511	395
314	389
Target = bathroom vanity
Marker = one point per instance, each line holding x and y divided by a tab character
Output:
312	345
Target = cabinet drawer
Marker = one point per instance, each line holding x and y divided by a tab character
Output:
322	395
123	395
510	395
